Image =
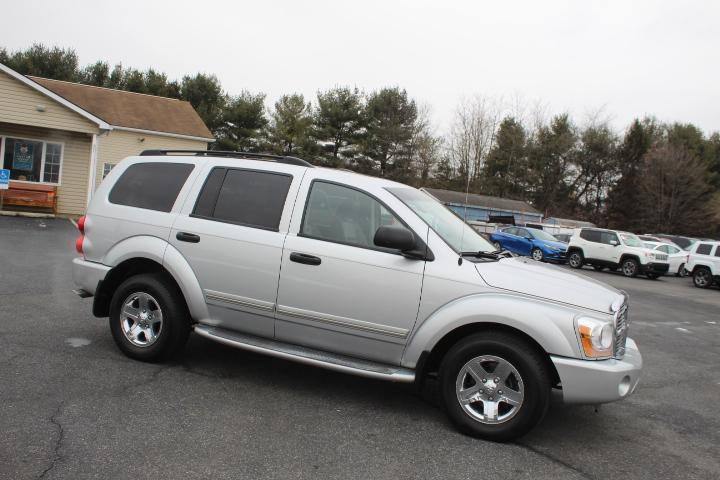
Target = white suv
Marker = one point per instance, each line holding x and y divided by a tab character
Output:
613	249
348	272
704	263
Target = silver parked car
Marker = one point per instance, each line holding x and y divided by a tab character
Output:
348	272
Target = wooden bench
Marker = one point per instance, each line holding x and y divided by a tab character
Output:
28	195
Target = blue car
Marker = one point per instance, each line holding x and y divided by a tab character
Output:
530	242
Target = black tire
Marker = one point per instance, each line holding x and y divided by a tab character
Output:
575	259
175	326
702	277
630	267
681	271
537	254
532	367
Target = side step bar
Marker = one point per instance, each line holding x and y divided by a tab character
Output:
309	356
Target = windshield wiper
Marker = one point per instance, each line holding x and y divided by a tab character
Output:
496	255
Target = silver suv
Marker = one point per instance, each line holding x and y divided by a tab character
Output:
347	272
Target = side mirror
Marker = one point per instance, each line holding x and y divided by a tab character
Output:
397	238
614	243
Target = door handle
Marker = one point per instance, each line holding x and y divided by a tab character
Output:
188	237
305	258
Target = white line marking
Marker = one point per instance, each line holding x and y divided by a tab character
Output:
711	323
73	222
684	330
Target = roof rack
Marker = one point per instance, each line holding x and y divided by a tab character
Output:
227	154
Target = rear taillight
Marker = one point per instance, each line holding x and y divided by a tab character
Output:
79	241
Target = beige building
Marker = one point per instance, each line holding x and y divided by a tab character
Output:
59	139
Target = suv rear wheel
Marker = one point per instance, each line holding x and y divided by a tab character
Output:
630	267
702	277
148	318
575	260
495	386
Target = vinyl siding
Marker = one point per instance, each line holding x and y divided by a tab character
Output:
18	104
118	144
72	191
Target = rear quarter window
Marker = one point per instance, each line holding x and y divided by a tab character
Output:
704	249
151	185
590	235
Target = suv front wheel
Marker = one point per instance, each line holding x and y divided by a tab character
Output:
148	318
494	386
630	267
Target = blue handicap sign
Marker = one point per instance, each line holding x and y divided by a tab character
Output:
4	178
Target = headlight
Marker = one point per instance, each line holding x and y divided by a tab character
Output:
596	337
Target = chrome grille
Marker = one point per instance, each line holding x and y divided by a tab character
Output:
621	331
661	257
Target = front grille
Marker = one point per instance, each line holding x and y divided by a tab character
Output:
661	257
621	331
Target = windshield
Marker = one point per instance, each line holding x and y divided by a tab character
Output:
459	235
631	240
542	235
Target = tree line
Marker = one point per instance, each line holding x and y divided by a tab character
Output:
654	176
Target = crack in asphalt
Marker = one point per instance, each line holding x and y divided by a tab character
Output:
58	443
555	460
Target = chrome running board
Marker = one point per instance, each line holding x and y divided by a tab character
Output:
309	356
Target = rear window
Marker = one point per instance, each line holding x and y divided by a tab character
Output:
704	249
153	186
717	251
244	197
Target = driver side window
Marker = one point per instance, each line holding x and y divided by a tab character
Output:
339	214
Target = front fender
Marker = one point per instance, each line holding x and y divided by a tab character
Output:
548	323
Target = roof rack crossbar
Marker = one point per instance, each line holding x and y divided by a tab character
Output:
229	154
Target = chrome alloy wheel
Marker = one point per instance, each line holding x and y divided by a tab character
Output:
575	260
629	268
702	278
489	389
141	319
537	254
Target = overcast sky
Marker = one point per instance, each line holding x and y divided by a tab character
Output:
628	58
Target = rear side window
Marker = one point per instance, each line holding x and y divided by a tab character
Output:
244	197
608	237
590	235
153	186
704	249
717	251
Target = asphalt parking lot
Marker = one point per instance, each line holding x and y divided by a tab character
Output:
74	407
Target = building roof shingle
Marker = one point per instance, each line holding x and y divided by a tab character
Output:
131	110
483	201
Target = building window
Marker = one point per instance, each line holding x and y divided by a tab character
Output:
32	160
51	173
106	169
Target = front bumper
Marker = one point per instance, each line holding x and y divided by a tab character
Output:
555	256
599	381
661	268
86	275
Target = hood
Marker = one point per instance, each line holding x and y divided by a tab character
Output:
529	277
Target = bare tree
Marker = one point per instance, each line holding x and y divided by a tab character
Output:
472	135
